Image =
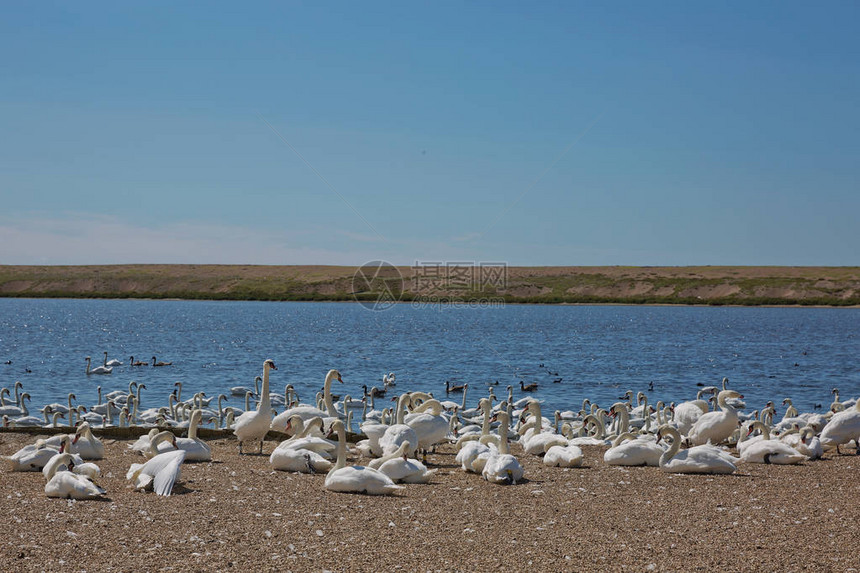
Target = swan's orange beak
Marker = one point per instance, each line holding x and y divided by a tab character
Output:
289	425
77	437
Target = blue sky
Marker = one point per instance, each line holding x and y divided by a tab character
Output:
555	133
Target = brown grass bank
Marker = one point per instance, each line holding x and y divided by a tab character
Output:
834	286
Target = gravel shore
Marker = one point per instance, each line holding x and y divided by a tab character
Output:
237	513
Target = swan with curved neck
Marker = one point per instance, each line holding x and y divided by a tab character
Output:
401	468
716	427
303	452
767	451
308	436
307	412
97	369
629	451
196	450
534	440
34	457
355	479
86	445
704	459
63	483
252	426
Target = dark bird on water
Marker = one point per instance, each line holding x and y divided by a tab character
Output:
454	388
530	388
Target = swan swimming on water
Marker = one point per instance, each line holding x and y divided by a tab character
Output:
112	362
97	369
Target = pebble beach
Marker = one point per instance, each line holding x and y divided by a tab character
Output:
236	513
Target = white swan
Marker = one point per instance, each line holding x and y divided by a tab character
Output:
629	451
63	459
308	437
298	460
715	427
473	445
705	459
34	457
597	439
501	467
196	450
534	440
308	412
843	427
355	479
97	369
142	443
303	453
804	441
399	432
63	483
687	413
429	425
19	409
254	425
112	362
242	390
767	451
160	472
568	456
86	445
402	469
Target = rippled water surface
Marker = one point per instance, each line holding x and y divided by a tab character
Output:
598	351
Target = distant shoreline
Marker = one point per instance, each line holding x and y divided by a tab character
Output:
695	285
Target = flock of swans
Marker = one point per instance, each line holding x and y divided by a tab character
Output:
710	434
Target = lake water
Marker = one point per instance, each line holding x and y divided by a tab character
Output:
598	351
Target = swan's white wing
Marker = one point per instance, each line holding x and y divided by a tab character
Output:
166	468
134	467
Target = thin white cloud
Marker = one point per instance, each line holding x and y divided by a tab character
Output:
467	237
92	239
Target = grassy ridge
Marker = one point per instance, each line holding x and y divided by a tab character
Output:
829	286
